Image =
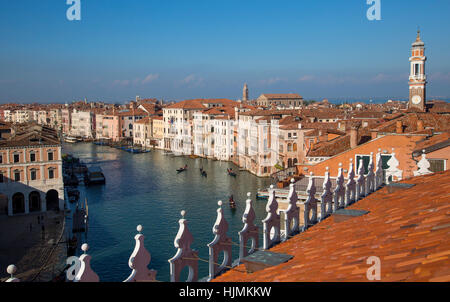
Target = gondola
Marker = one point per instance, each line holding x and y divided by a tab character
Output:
204	174
182	169
232	203
231	173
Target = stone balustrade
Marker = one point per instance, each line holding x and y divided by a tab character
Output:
330	201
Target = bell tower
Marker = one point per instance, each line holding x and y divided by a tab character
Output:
417	77
245	93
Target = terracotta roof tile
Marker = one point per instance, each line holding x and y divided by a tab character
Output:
392	230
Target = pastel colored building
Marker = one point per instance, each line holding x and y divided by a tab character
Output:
31	171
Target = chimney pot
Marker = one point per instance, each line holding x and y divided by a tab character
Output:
420	126
399	127
353	137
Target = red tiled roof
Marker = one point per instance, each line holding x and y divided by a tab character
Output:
408	230
282	96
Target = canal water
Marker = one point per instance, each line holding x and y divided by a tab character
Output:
146	189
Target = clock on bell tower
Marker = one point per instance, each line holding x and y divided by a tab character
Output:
417	78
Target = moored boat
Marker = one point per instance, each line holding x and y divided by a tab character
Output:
94	176
70	139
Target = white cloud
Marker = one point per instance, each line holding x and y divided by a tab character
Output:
306	78
272	81
192	80
150	78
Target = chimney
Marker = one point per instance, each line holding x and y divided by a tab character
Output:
420	126
374	134
353	137
399	127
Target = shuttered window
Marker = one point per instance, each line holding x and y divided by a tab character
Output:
437	165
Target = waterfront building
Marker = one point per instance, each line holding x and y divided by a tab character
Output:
83	124
142	132
66	119
178	122
110	123
286	100
157	139
31	170
213	133
126	120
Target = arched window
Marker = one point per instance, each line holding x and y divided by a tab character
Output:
18	203
35	201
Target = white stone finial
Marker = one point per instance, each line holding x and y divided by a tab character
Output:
327	169
340	165
11	269
85	247
219	203
292	180
183	213
249	194
139	228
271	187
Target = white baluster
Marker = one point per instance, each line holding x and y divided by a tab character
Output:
185	256
271	224
326	204
221	243
423	166
12	269
291	222
86	274
350	186
249	231
310	203
139	261
339	191
393	170
370	179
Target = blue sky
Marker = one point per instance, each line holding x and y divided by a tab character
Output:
208	48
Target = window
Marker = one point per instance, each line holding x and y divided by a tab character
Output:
1	177
16	158
51	173
50	156
32	156
33	174
1	159
366	160
437	165
16	175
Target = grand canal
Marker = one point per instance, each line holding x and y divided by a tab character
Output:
145	189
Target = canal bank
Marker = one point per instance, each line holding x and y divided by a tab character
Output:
35	244
146	189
